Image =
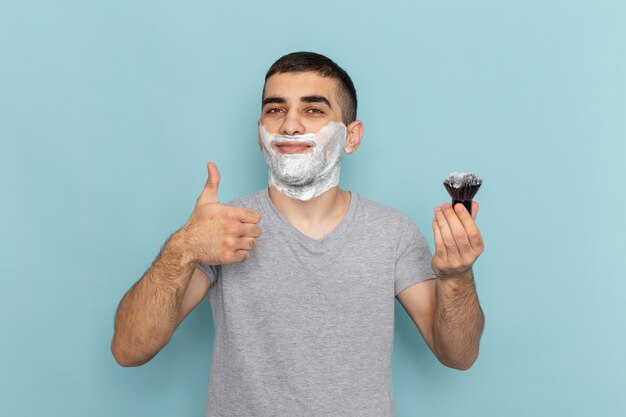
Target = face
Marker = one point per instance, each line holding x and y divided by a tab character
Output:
301	133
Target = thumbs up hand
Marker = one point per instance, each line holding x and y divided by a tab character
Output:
217	234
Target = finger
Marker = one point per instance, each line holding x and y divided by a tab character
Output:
440	247
456	227
245	243
250	230
474	209
471	230
248	215
446	232
209	193
241	255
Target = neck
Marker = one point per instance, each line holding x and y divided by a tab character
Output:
315	217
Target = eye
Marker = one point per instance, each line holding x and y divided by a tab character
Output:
315	110
274	110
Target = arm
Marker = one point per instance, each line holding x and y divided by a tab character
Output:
446	310
152	309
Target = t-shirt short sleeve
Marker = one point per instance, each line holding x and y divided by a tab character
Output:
210	270
413	257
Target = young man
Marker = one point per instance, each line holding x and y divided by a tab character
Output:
302	276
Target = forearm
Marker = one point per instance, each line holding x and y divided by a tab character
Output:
459	321
147	315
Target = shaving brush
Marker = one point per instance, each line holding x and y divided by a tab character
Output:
462	187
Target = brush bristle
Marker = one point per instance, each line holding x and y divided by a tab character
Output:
462	186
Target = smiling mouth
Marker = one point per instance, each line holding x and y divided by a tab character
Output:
293	147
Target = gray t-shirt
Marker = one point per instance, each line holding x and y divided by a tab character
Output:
304	327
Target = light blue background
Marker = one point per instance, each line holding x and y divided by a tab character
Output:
110	110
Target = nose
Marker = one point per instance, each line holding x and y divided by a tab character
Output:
292	125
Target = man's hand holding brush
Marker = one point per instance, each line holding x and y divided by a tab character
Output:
458	242
458	319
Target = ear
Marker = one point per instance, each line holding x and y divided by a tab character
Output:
353	136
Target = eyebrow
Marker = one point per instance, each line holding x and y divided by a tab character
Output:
270	100
316	99
306	99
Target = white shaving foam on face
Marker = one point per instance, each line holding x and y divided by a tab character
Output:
303	176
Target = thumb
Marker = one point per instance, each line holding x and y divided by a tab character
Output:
209	194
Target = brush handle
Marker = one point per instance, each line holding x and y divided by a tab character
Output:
466	203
